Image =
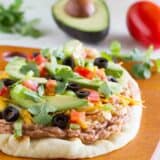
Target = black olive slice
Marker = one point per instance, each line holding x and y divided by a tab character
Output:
73	86
60	120
69	61
10	114
101	62
82	93
8	82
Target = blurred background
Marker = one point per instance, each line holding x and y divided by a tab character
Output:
53	36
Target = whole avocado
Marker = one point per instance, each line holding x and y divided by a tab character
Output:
92	28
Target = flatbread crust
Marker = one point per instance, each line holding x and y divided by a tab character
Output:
71	149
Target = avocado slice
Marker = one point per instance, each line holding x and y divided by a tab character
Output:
90	29
93	84
31	101
64	102
22	96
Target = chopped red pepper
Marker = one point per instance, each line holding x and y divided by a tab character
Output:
4	91
85	72
30	85
93	96
77	117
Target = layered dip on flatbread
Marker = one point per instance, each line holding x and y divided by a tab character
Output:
69	102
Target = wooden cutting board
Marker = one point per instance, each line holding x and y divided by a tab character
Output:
143	146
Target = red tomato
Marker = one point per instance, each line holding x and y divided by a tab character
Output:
30	85
4	91
143	21
40	59
42	70
94	96
85	72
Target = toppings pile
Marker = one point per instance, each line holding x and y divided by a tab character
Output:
69	92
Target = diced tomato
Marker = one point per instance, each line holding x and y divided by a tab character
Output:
77	117
93	96
50	87
30	85
4	91
40	59
85	72
42	70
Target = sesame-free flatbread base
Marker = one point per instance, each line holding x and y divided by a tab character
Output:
71	149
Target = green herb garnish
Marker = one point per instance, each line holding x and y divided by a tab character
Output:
143	63
30	67
61	87
41	90
12	20
43	117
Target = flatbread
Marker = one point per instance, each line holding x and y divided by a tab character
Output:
71	149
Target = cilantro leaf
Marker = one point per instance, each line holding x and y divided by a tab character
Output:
46	53
30	67
61	87
12	20
16	5
43	118
141	70
58	53
64	73
28	29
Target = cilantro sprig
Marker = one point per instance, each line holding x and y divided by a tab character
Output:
12	20
142	61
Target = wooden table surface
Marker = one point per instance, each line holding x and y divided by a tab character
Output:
144	145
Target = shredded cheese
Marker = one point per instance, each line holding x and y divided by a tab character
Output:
3	104
3	75
26	116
